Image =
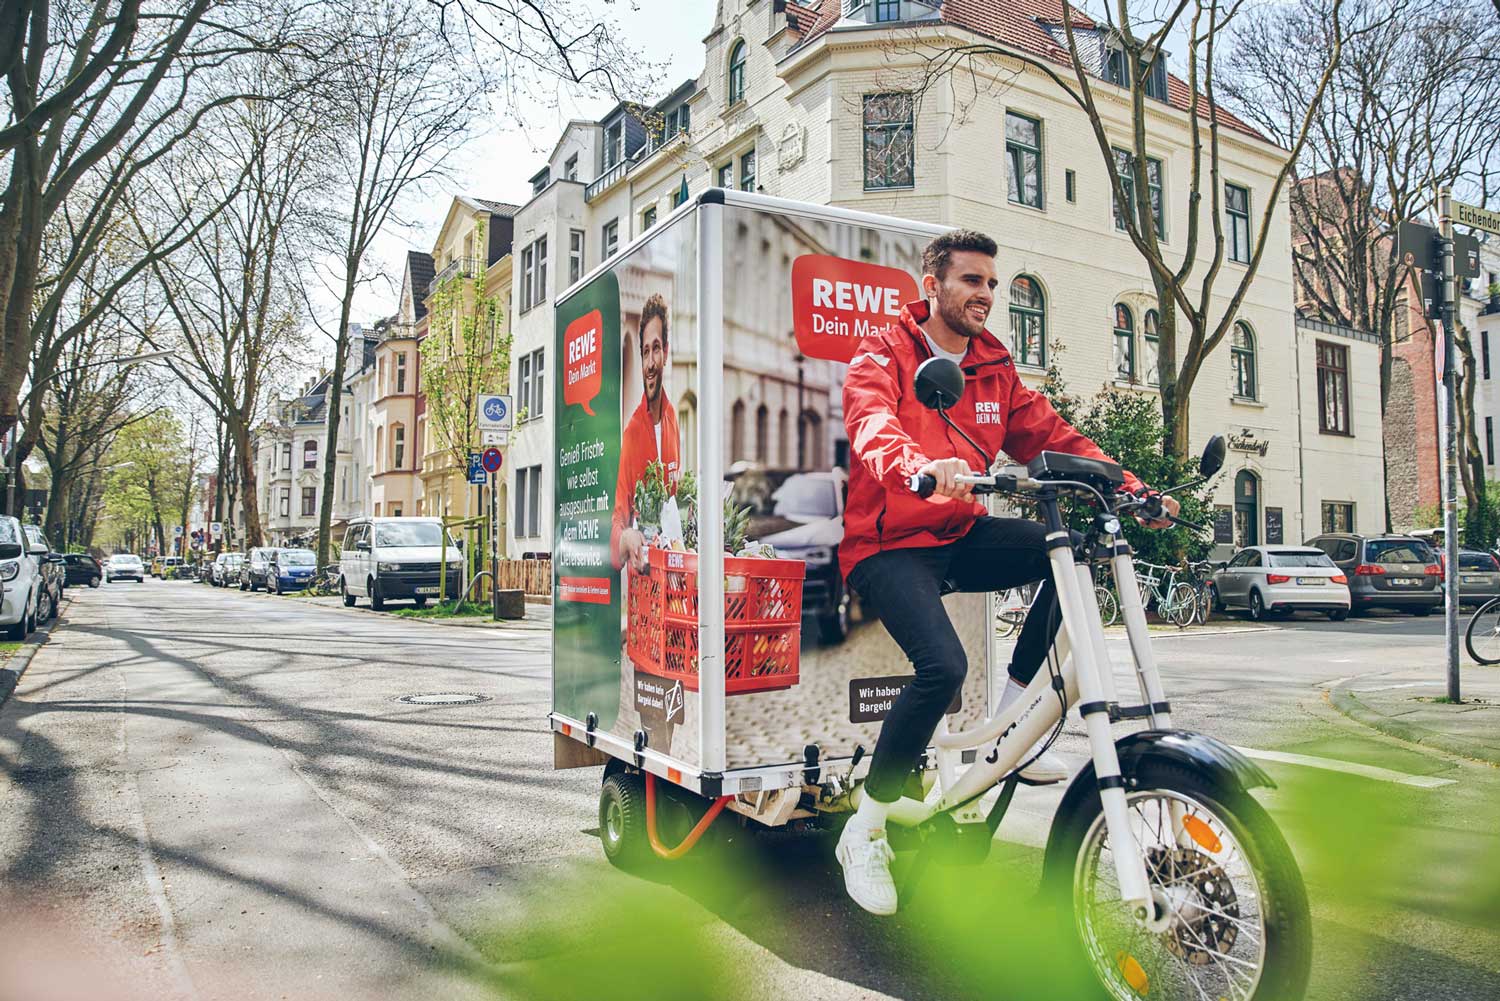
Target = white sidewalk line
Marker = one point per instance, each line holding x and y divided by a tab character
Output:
1347	767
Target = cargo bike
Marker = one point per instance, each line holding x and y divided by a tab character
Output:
1175	880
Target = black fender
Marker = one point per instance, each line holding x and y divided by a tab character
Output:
1218	763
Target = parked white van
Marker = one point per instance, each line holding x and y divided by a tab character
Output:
385	558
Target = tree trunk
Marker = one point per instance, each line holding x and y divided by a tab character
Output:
335	410
251	501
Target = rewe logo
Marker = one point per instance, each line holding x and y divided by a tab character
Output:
836	302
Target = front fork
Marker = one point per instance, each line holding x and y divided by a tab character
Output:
1095	690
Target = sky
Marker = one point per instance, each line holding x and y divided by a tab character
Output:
498	163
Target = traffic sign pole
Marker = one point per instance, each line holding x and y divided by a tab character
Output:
494	548
1450	440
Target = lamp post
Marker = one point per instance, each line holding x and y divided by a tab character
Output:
13	470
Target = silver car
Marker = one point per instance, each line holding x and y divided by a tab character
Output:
1284	579
1478	577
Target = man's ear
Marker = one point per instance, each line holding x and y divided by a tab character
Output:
929	286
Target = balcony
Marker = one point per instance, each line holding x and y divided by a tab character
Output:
459	267
605	181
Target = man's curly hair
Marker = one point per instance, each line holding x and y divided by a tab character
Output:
939	253
655	309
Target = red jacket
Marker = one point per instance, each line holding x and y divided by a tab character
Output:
892	436
637	451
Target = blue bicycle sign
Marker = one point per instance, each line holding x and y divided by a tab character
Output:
494	412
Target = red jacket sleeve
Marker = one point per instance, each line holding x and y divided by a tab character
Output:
876	438
1034	427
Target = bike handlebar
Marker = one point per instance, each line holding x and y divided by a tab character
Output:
1014	480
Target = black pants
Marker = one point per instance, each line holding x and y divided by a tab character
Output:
905	586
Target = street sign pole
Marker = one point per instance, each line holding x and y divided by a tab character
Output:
494	550
1450	440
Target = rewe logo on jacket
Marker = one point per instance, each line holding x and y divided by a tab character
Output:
836	302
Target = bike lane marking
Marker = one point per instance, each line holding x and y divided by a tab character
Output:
1347	767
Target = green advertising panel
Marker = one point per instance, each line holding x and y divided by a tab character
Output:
585	586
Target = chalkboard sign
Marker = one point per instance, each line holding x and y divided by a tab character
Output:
1223	524
1273	526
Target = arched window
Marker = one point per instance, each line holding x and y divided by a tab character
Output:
763	435
810	441
737	431
1124	358
1242	359
310	454
784	439
687	426
1151	338
737	72
1028	321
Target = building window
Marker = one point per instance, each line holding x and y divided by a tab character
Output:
648	218
887	10
1338	516
286	502
737	73
783	438
614	145
286	455
534	274
1028	322
570	169
1333	388
1124	356
1115	65
726	175
763	435
1151	341
310	454
309	501
889	159
528	498
528	267
398	446
1023	152
679	194
747	171
737	431
1237	204
530	382
538	184
1070	185
611	238
401	372
1484	350
1489	441
575	255
1242	360
1153	189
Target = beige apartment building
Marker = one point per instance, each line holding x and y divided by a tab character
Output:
392	432
790	102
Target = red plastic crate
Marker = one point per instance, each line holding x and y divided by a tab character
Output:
762	620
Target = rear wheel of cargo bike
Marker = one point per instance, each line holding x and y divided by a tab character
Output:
622	820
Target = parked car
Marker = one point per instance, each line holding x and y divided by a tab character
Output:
1478	576
164	567
81	568
256	568
124	566
1281	579
385	558
50	566
291	569
225	569
20	581
802	516
1386	571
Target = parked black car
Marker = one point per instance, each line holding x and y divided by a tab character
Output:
81	568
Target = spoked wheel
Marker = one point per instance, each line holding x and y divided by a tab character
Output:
1238	926
1181	607
1014	605
1205	603
1482	636
1109	607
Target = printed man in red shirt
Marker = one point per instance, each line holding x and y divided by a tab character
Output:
649	436
900	551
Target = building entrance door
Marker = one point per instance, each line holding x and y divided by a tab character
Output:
1246	509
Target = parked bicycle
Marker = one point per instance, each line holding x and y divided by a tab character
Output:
1175	601
1482	635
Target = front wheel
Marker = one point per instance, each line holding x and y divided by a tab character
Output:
1221	873
94	581
1182	605
1257	606
1482	635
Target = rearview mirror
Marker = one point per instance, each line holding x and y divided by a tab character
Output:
1213	456
362	546
939	383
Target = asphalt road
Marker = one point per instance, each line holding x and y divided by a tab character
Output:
210	794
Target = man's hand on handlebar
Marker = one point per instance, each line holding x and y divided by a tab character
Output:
1167	505
945	472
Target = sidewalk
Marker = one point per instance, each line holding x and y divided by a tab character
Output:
1405	705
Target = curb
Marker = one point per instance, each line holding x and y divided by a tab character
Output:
1346	702
472	622
10	674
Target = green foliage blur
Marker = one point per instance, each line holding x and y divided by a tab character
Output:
1128	427
1477	530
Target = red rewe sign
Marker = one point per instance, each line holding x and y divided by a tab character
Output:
583	360
836	302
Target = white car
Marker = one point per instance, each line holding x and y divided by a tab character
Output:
1284	579
124	566
20	581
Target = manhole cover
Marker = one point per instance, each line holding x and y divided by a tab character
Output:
443	699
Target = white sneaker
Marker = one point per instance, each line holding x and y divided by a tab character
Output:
866	857
1046	770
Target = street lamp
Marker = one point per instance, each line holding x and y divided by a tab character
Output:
13	472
